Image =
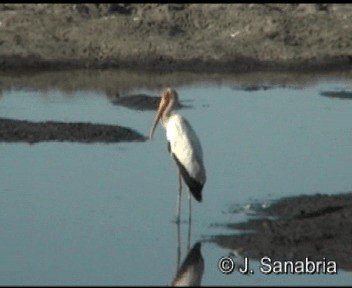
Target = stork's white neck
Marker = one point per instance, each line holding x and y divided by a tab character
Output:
166	117
168	111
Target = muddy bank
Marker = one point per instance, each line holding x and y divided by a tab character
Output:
345	94
175	37
294	228
34	132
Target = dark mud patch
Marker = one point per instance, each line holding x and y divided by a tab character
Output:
337	94
34	132
252	87
140	102
316	227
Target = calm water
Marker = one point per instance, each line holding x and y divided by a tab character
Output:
102	214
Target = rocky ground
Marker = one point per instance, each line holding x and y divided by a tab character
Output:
201	37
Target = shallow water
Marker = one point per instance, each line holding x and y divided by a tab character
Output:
102	214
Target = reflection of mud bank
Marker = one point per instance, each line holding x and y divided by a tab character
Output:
294	228
33	132
122	82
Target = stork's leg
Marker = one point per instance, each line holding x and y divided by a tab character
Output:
189	207
178	204
189	236
178	248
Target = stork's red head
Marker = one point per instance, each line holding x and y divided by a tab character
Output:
168	99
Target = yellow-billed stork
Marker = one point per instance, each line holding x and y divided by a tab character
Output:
184	146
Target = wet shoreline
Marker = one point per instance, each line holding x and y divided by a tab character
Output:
317	227
166	64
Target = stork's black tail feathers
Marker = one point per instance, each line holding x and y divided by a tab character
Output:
193	185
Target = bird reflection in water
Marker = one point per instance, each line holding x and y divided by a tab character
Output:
190	272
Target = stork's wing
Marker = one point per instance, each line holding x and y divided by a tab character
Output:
186	147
